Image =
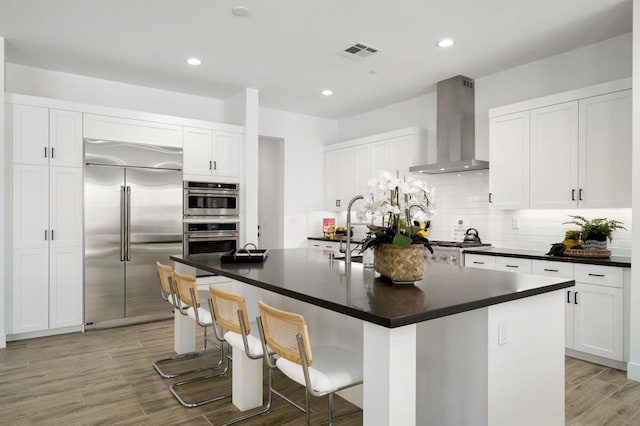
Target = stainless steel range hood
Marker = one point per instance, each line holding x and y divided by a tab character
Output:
456	129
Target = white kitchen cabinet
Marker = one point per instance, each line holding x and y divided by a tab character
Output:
605	151
479	261
554	156
598	320
570	150
349	165
46	290
43	136
130	130
509	159
326	246
30	290
208	152
65	272
513	264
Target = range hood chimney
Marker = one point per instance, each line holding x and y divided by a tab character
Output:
456	129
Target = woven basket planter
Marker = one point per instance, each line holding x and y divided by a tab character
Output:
400	264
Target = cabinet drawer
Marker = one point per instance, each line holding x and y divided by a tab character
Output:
552	269
513	264
610	276
479	261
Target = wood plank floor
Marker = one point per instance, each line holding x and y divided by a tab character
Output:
106	377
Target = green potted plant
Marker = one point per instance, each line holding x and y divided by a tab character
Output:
595	233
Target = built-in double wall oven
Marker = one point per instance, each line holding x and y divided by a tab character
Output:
211	199
211	218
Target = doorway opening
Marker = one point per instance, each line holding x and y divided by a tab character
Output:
270	192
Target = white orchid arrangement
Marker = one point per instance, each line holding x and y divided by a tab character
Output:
398	204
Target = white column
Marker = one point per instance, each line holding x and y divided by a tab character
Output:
3	160
633	367
246	381
389	375
184	328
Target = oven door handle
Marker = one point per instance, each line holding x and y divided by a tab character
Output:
211	193
210	237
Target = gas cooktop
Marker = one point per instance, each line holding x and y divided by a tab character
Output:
460	244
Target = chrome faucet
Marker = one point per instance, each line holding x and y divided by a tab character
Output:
347	253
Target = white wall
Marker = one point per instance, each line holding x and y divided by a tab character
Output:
304	137
589	65
633	368
242	109
78	88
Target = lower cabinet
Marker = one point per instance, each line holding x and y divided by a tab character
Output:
47	288
326	246
594	320
597	320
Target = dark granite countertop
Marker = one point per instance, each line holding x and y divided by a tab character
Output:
309	276
540	255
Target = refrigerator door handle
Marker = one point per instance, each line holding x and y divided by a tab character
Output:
128	223
122	223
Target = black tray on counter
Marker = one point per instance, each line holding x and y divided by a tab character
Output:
244	256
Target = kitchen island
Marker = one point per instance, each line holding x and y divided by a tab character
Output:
462	346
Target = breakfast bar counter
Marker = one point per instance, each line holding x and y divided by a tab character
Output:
461	346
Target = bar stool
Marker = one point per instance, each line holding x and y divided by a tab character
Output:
187	290
323	371
230	313
167	291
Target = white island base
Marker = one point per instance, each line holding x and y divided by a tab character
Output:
498	365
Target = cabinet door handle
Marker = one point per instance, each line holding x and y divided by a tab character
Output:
573	195
512	266
337	203
210	165
580	194
52	148
575	298
45	235
215	165
478	263
490	201
597	275
45	152
568	296
550	270
52	235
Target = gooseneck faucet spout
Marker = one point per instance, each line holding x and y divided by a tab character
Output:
347	254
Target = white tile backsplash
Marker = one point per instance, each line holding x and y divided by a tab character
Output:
467	194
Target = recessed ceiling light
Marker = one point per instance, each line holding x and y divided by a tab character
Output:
241	11
327	92
194	61
446	42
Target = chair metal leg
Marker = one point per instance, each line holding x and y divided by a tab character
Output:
307	411
191	355
173	388
330	403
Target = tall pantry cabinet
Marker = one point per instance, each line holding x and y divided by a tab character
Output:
46	289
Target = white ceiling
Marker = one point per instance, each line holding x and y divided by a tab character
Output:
287	48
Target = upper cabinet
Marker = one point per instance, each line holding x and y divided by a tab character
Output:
509	156
43	136
349	165
210	152
569	154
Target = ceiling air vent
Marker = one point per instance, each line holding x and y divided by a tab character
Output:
358	52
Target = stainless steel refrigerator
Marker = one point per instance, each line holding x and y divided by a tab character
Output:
132	219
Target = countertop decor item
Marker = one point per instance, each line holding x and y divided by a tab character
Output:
398	244
595	233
